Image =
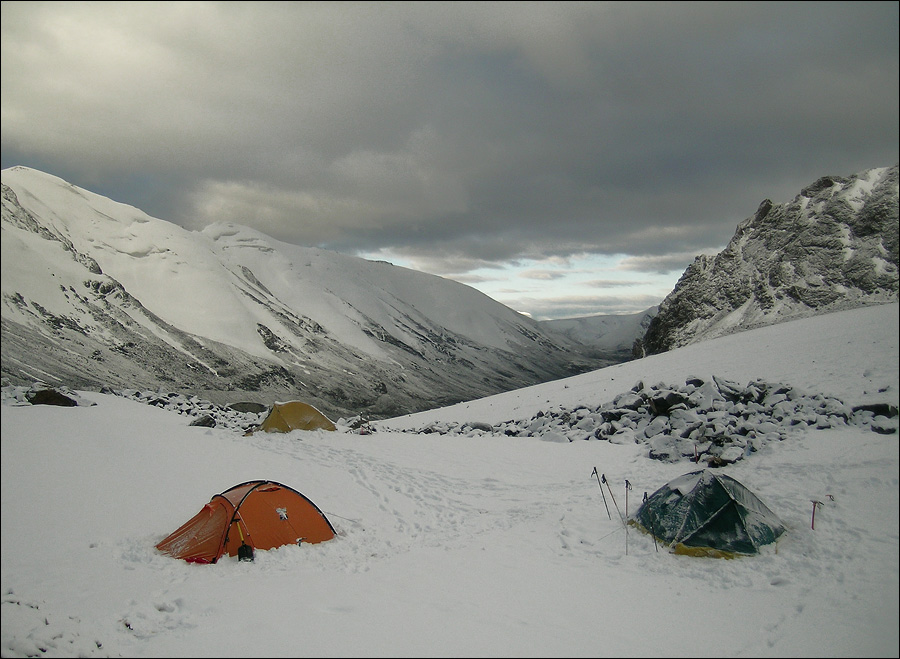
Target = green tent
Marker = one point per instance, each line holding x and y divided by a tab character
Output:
705	513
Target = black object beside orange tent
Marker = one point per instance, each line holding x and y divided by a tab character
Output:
253	515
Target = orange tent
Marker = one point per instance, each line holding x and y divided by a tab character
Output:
252	515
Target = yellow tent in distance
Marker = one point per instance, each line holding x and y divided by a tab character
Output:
294	415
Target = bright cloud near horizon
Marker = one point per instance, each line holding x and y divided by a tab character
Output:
567	159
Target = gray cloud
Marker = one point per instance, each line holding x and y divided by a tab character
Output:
662	263
457	135
614	283
542	275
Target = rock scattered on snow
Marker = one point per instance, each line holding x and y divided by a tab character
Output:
202	412
238	417
43	394
714	421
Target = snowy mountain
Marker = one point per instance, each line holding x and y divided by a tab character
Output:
97	293
611	334
833	247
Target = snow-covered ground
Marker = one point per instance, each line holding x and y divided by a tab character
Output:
466	542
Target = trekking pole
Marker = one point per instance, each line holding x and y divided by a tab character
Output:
606	482
627	487
652	525
594	473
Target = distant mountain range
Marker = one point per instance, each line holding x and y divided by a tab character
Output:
98	293
615	334
833	247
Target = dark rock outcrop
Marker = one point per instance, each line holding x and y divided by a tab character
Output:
833	247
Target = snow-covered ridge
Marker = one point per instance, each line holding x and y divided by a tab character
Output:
97	293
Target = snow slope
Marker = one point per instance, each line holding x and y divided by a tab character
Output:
476	544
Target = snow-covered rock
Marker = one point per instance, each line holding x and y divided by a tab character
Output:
834	246
715	421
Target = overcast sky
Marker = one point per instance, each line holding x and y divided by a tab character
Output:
568	159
